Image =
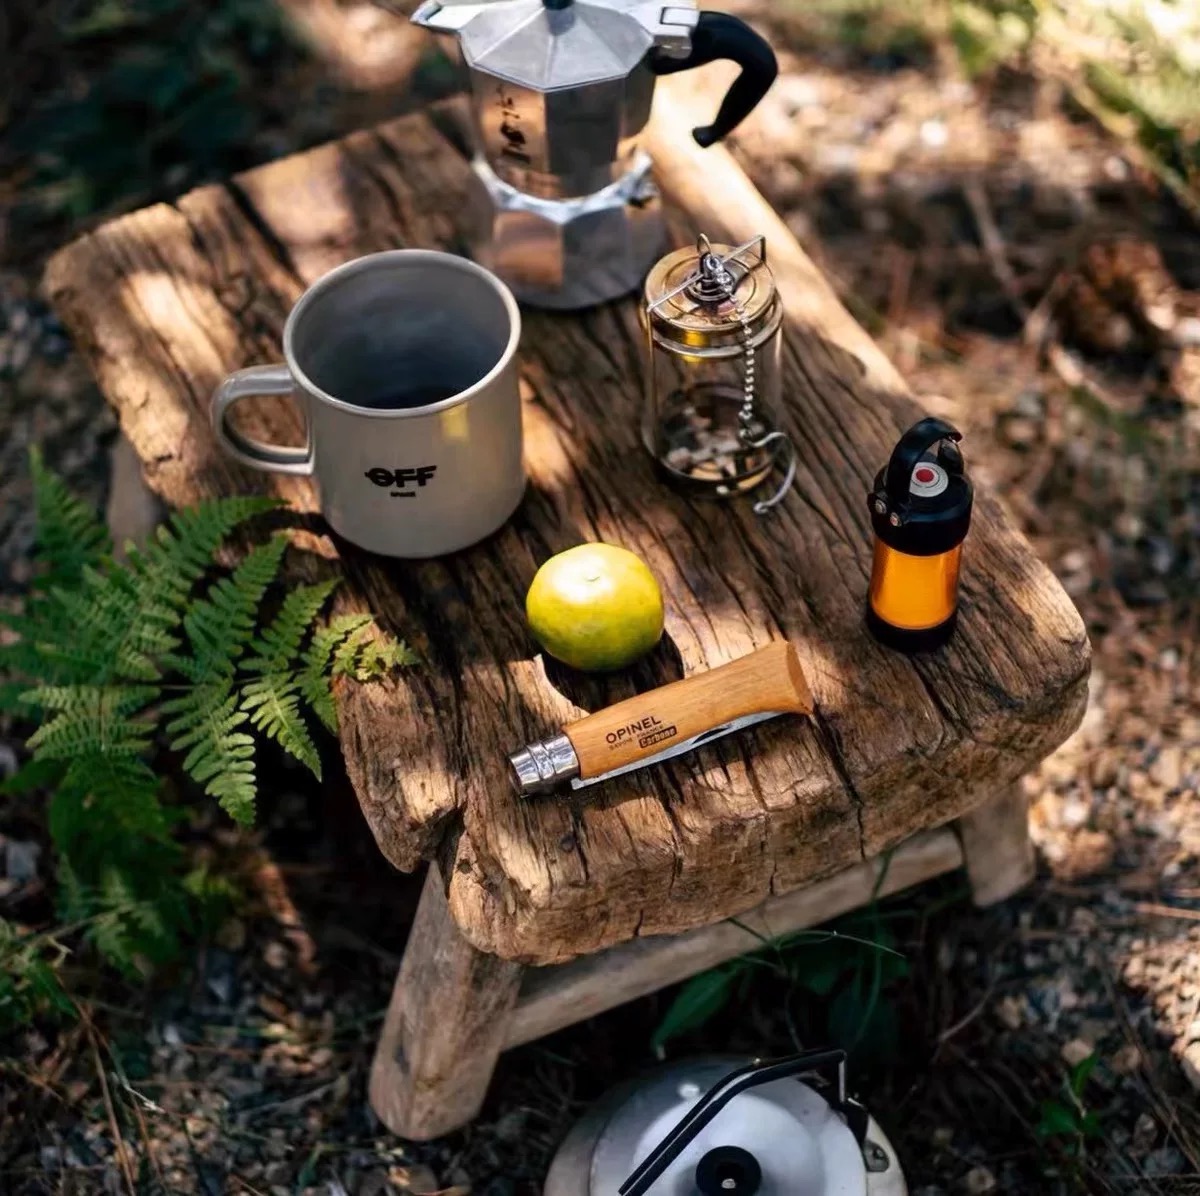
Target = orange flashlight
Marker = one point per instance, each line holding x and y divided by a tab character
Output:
920	511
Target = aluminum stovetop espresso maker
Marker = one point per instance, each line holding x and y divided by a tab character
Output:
564	208
698	1128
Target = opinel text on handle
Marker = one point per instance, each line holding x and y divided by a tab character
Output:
767	681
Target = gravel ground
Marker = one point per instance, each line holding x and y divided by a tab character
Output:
1037	291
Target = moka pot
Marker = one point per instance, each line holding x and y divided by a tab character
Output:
564	207
709	1127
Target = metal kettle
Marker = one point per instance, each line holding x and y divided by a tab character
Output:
698	1128
560	91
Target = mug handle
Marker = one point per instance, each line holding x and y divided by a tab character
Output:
271	458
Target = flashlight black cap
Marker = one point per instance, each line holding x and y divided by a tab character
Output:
921	501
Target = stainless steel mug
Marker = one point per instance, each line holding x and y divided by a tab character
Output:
405	365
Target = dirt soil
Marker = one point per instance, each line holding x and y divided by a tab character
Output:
1042	294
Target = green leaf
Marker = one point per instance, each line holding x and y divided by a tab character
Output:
820	968
92	720
380	655
277	646
345	655
314	678
121	792
220	755
33	774
273	704
1080	1074
30	982
220	626
696	1003
69	534
1057	1120
273	693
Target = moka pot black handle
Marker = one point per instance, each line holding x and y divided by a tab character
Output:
719	35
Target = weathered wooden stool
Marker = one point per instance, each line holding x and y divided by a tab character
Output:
795	821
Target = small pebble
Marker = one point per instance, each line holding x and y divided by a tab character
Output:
1011	1011
1145	1131
1076	1051
275	955
1166	1160
979	1181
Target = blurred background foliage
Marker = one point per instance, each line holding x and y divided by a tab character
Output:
1132	65
109	104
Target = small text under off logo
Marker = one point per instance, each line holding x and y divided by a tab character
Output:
647	731
400	478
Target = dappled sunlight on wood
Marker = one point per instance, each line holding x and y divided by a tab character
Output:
308	211
171	303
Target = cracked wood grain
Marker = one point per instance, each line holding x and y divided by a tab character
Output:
165	301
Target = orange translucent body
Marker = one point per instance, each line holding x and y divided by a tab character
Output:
914	592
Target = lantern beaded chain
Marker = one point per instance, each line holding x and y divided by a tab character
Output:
714	274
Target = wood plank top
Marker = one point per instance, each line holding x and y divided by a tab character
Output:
165	301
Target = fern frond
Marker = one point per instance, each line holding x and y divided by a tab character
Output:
220	756
69	534
277	646
315	671
207	721
127	927
273	704
345	655
106	626
72	894
272	694
91	719
29	979
33	774
367	657
182	549
134	909
128	617
220	625
118	794
378	656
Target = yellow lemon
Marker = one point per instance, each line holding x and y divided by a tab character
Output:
595	607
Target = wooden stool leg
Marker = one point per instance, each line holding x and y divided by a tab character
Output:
445	1026
996	846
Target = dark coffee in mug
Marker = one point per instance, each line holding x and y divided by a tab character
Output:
406	398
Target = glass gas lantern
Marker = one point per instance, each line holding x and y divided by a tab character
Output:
713	318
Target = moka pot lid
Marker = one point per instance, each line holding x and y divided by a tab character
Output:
780	1139
548	45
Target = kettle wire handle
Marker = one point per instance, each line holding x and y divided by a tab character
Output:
922	436
721	35
721	1093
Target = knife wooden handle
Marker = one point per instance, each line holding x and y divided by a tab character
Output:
769	680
